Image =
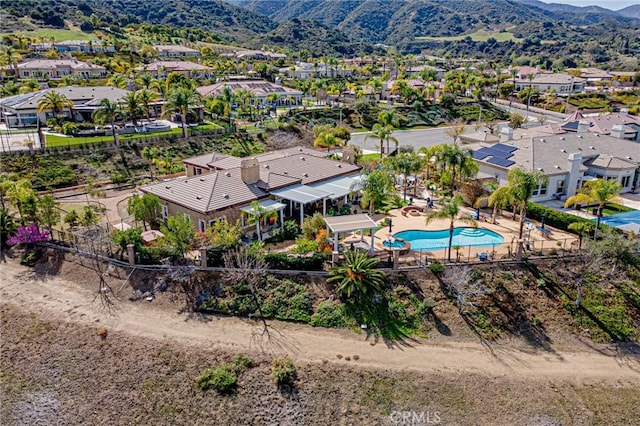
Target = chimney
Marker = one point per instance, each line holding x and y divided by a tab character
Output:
575	162
249	170
583	126
617	131
506	134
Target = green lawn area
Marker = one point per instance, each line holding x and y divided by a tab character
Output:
480	35
57	35
56	140
613	208
372	156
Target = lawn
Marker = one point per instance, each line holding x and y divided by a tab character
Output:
59	140
57	35
613	208
480	35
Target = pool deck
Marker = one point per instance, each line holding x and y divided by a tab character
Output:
504	226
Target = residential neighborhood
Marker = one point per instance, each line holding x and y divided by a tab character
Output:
319	213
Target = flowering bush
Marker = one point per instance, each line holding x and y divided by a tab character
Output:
28	234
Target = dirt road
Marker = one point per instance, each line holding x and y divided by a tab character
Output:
56	298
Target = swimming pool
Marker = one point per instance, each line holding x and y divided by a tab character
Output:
629	221
439	240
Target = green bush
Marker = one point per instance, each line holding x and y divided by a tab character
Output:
304	246
554	218
220	378
283	371
242	363
436	267
330	315
286	262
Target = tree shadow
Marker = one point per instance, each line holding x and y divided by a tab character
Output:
440	326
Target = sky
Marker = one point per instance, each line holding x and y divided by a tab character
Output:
609	4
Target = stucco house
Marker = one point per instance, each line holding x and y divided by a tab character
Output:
561	83
568	160
260	89
176	51
161	69
45	69
293	182
22	110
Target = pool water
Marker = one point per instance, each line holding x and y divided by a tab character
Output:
628	220
439	240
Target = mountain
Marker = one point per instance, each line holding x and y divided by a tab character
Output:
230	22
579	15
631	11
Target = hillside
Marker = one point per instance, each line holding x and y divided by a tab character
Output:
631	11
231	23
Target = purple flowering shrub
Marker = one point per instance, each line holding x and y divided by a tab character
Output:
29	234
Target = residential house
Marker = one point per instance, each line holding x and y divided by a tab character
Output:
22	110
619	125
73	46
305	70
161	69
255	55
52	69
568	160
294	182
175	51
560	83
260	89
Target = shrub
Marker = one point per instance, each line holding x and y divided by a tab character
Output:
304	246
221	378
554	218
436	267
329	314
311	225
284	261
242	363
283	371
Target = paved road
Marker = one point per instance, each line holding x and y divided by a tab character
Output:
415	138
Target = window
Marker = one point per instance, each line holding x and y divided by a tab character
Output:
560	187
202	225
626	180
165	211
214	220
197	171
540	190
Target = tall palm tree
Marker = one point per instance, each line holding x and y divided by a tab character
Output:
107	113
598	191
118	80
357	280
181	100
145	80
145	97
132	106
55	102
382	133
450	210
521	184
149	153
406	164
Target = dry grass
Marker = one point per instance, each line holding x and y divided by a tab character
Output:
60	373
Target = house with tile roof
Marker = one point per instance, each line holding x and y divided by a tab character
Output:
295	182
561	83
176	51
53	69
22	110
161	69
568	160
260	89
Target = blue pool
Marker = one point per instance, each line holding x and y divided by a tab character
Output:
629	221
438	240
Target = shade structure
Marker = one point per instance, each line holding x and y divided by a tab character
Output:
339	187
348	223
302	194
265	204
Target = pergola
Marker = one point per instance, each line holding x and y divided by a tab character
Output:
303	195
350	223
268	205
340	187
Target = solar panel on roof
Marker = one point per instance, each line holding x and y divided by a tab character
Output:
503	147
479	155
502	162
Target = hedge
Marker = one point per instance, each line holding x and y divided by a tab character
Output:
303	263
554	218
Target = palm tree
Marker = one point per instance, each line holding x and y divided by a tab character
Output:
327	140
258	212
118	80
449	211
132	106
55	102
145	80
149	153
107	113
181	100
406	164
375	188
520	187
530	77
598	191
145	97
582	229
382	133
357	280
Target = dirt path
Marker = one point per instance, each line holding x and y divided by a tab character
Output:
56	298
